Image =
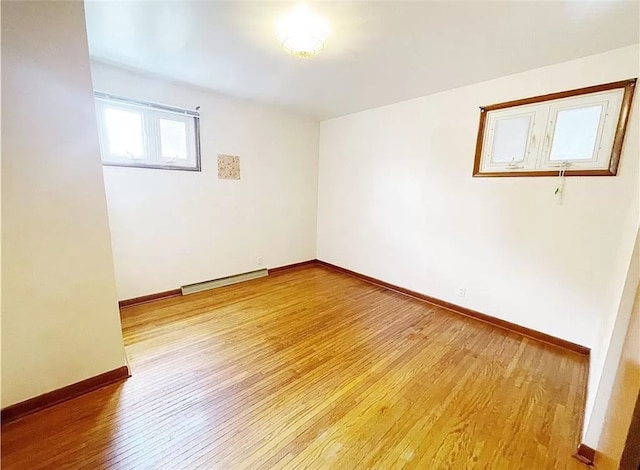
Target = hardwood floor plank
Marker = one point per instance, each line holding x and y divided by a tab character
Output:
311	368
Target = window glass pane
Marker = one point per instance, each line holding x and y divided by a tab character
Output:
124	133
510	139
575	134
173	139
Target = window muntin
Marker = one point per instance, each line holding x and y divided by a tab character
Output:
147	135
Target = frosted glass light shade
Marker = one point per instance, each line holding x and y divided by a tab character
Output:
302	33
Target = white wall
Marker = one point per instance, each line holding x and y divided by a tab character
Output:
171	228
397	202
604	366
623	394
623	281
60	321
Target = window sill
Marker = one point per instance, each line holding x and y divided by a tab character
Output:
600	172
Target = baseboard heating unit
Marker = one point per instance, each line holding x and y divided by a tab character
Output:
223	281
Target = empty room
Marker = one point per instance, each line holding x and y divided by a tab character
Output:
320	235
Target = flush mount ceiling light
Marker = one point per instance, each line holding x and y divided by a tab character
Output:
302	33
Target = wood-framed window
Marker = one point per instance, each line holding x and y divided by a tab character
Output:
579	131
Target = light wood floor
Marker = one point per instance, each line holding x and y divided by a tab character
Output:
311	368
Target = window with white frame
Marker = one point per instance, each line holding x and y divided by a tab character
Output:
147	135
579	132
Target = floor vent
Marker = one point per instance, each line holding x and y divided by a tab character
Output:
223	281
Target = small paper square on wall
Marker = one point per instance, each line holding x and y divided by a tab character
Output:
228	167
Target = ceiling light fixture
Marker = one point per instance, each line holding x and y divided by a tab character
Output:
302	33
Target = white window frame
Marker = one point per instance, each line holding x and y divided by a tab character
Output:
530	145
615	100
151	115
610	103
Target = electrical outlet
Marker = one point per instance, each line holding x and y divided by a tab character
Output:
259	260
461	292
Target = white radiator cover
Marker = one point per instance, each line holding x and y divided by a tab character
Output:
223	281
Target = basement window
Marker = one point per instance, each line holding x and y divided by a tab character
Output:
578	131
147	135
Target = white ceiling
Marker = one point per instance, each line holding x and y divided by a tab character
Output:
378	53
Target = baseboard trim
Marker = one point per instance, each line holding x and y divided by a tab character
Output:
149	298
506	325
178	292
288	267
585	454
13	412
